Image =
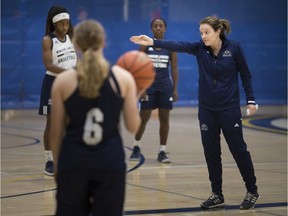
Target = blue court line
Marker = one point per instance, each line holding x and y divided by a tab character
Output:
173	210
199	209
36	141
140	162
25	194
165	191
263	123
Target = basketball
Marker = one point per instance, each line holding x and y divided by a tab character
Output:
140	66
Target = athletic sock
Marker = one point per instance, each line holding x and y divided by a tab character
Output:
137	143
162	148
48	155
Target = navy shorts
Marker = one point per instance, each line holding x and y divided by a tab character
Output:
45	99
157	99
100	192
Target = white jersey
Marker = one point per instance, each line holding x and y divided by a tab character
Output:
63	53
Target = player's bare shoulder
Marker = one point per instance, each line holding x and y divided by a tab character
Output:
47	39
121	72
66	76
124	79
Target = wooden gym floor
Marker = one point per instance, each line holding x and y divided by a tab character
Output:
153	189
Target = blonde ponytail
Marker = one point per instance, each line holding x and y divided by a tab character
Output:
93	68
92	71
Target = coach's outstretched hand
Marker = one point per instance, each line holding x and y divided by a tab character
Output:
142	40
251	109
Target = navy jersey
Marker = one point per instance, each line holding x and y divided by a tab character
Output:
92	137
161	59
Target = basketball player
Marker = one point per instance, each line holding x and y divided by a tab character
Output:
221	61
161	93
90	168
58	55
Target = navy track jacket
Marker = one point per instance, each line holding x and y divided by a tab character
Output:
218	76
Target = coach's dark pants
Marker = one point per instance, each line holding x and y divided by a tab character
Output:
230	122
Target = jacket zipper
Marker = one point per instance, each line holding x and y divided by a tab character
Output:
215	74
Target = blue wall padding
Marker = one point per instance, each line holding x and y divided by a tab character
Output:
260	26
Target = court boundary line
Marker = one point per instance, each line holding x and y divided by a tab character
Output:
199	209
36	141
150	188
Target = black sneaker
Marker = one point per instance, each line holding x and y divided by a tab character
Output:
249	201
162	157
213	201
49	168
135	156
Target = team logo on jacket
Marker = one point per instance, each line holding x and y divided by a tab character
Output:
204	127
227	53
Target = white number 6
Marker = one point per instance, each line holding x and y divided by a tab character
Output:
93	131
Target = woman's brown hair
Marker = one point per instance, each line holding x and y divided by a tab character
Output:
216	23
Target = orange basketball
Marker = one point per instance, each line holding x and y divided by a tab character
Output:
140	66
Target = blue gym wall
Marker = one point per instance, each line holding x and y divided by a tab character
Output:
260	26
